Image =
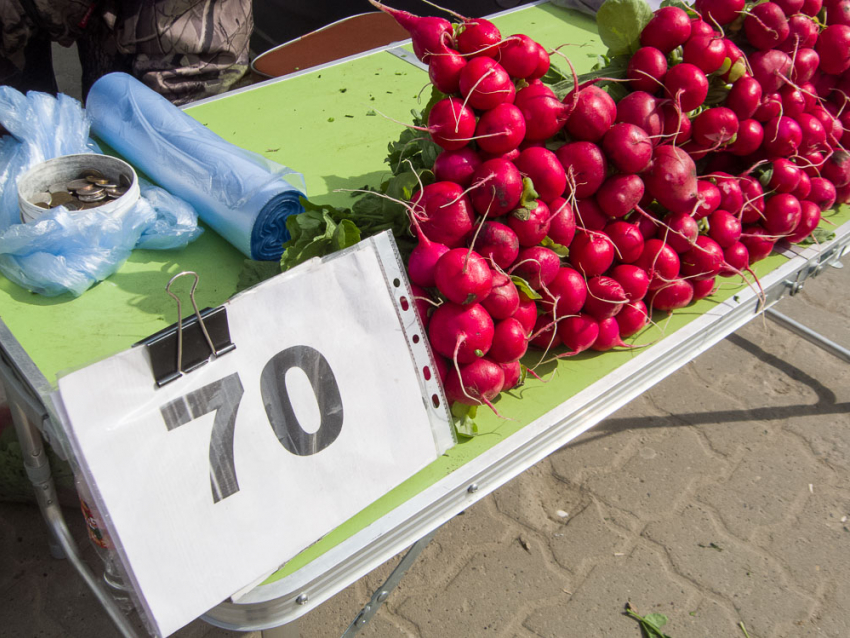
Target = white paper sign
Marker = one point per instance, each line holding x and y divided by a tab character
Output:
216	479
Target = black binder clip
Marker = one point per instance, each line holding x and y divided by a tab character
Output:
186	345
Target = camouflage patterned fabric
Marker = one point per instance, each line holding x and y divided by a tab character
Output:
183	49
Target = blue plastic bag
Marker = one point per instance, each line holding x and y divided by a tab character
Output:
64	252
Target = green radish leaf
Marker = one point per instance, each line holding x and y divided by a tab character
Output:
620	23
529	195
561	251
463	417
524	288
818	236
657	620
681	5
615	90
346	235
613	68
255	272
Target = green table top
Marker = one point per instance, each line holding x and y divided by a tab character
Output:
319	123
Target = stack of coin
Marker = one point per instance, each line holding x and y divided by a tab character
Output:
89	189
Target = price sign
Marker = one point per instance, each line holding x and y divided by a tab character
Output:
213	481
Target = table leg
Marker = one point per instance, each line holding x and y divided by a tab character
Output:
809	335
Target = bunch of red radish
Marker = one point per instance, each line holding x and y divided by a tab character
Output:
618	218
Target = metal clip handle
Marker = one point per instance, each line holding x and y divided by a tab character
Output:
180	316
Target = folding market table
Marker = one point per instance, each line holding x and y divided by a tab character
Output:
326	122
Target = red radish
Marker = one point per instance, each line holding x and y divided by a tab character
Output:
744	97
543	63
627	240
696	151
510	156
627	147
811	163
498	244
703	261
546	172
609	336
422	303
578	333
643	110
592	253
785	177
445	211
670	27
503	300
619	194
526	314
501	129
659	261
749	139
699	27
766	26
811	7
531	225
837	12
537	265
648	226
770	68
562	226
803	34
673	295
633	279
823	193
509	341
793	101
592	115
479	37
672	178
589	215
429	35
724	228
485	84
442	365
782	213
423	259
703	288
683	231
769	108
804	187
736	258
737	62
782	136
545	115
731	197
545	334
478	384
512	372
758	242
451	124
833	47
708	199
676	126
465	329
646	69
719	11
605	297
753	208
632	318
444	70
824	83
810	215
789	7
686	85
519	56
497	187
836	168
715	127
585	166
463	276
707	52
456	166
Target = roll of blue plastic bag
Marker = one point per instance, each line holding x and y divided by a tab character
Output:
241	195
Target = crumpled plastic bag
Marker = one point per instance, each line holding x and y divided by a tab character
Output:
63	251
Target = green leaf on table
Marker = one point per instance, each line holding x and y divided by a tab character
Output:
658	620
620	23
255	272
650	624
818	236
463	417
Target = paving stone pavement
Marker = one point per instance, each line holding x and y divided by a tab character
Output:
719	497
